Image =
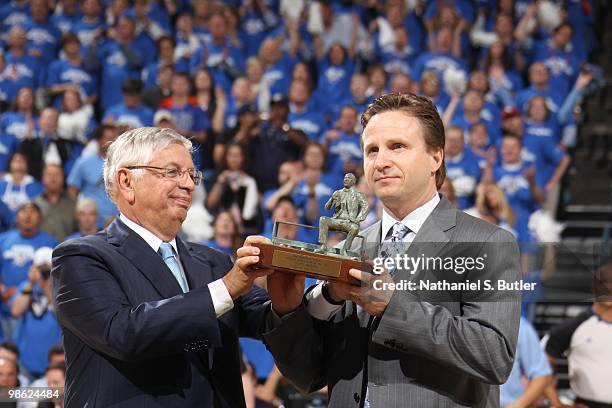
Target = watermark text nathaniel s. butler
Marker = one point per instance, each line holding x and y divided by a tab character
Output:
443	285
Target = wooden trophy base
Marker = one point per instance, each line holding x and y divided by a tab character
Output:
318	266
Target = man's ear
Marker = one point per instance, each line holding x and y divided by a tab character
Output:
437	157
125	185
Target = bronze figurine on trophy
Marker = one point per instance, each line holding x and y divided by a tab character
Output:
320	261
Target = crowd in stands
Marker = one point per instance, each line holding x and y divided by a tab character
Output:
270	92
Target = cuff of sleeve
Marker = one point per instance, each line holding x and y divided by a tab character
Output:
318	304
221	299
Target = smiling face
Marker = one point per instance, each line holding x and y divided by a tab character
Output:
160	203
398	165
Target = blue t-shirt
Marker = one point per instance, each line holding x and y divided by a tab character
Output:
15	124
254	28
563	67
37	331
221	60
86	175
530	361
334	82
12	14
65	22
513	183
14	195
63	72
44	37
310	122
346	148
438	62
554	98
116	68
278	76
28	70
215	245
194	119
86	31
138	116
465	173
17	254
541	148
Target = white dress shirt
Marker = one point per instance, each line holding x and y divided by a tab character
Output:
320	308
221	299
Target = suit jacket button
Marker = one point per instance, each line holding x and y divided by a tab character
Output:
356	397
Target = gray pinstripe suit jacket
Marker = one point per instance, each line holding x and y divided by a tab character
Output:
428	349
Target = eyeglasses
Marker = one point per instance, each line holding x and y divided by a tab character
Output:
172	173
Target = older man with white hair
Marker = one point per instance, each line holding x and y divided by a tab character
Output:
149	319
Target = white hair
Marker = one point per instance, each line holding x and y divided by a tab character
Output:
86	204
135	148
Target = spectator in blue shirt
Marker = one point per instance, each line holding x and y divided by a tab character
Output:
25	69
220	55
541	139
539	86
131	111
471	112
85	178
189	120
17	186
71	73
8	146
8	85
505	80
22	120
43	36
530	361
563	64
38	329
343	146
187	43
225	233
429	86
302	116
400	56
277	65
477	142
17	248
91	26
358	97
439	59
15	12
335	70
517	179
257	20
461	167
119	58
165	58
66	15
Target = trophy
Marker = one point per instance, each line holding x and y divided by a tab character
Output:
320	261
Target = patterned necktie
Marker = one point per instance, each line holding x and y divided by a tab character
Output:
166	252
393	245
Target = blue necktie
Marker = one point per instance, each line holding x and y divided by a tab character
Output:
166	252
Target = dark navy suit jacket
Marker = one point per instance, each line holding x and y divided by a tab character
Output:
133	339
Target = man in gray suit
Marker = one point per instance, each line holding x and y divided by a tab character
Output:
405	348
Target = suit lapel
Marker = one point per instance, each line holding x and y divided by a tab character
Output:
142	257
432	236
197	268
